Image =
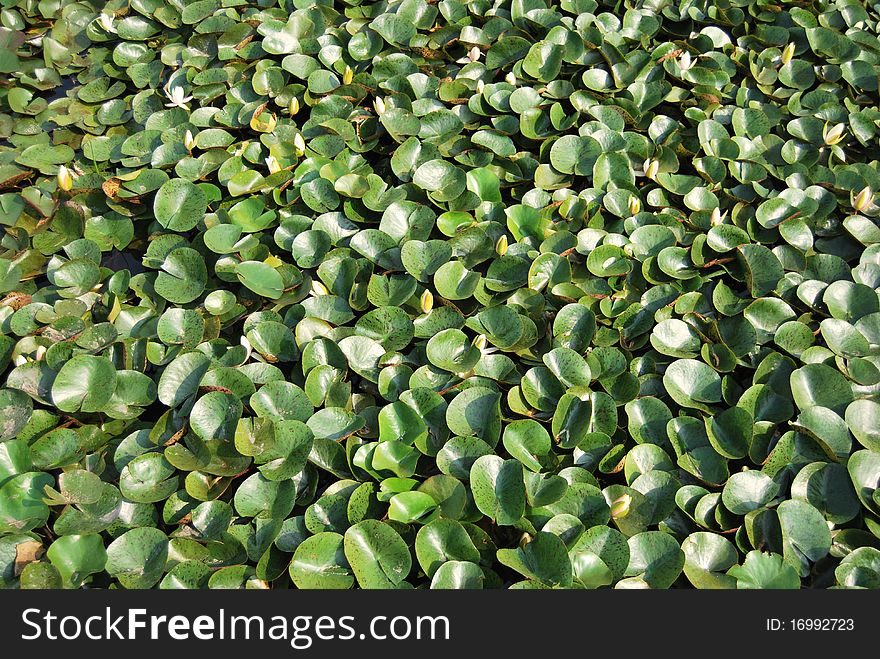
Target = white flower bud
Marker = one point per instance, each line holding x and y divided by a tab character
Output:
510	79
294	106
247	346
652	167
106	22
685	61
273	164
188	140
379	105
299	144
834	134
474	54
20	360
635	205
620	506
480	86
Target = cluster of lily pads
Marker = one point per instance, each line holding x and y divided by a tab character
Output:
447	294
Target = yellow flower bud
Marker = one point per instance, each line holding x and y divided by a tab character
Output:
788	53
65	178
652	167
294	106
318	288
480	342
501	246
426	301
635	205
348	76
863	199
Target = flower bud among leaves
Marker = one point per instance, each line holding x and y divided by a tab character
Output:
635	205
379	105
299	145
247	346
273	164
501	246
347	76
474	54
65	178
620	506
685	61
510	78
480	342
188	140
106	22
652	167
833	134
294	106
788	53
318	288
863	199
426	301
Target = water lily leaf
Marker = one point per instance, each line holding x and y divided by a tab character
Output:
179	205
181	378
183	277
320	562
378	555
527	441
765	571
85	383
16	408
692	383
476	411
76	557
708	557
137	558
458	575
747	491
805	536
655	558
261	278
498	488
442	541
544	559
